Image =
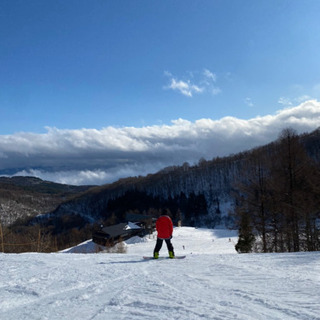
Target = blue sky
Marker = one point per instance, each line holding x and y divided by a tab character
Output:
91	64
76	65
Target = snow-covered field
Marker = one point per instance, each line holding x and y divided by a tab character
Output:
213	282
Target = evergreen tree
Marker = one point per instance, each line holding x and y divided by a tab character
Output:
246	238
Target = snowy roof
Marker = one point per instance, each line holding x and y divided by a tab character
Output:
120	229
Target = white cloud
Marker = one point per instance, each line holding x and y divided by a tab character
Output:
90	156
288	102
285	101
168	74
248	102
195	83
303	98
209	75
186	88
215	90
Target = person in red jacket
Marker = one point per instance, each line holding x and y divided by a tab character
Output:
164	228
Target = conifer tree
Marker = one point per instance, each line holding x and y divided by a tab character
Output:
246	237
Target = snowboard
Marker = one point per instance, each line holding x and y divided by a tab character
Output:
162	258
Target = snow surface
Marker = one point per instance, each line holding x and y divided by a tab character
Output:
213	282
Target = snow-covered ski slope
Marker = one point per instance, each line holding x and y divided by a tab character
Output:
213	282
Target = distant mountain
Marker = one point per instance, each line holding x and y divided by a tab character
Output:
200	195
26	197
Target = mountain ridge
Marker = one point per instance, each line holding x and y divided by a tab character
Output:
199	195
25	197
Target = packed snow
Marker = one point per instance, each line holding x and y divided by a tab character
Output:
212	282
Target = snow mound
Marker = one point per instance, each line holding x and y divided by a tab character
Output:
186	240
85	247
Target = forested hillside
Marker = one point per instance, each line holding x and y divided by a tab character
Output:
198	195
22	199
278	198
213	193
271	192
25	197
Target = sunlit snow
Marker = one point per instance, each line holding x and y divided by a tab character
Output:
212	282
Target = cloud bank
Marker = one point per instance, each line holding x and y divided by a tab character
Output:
90	156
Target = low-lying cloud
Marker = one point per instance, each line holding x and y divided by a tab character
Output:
90	156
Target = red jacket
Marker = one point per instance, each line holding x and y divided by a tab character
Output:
164	227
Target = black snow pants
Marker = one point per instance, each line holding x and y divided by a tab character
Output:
159	245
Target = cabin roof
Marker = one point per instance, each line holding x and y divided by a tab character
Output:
120	229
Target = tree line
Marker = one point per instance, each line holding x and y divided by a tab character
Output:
272	193
278	198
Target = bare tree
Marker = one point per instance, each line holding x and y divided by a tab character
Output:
280	190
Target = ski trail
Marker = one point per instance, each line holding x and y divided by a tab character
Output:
124	286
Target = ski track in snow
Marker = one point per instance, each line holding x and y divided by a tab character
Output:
213	282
